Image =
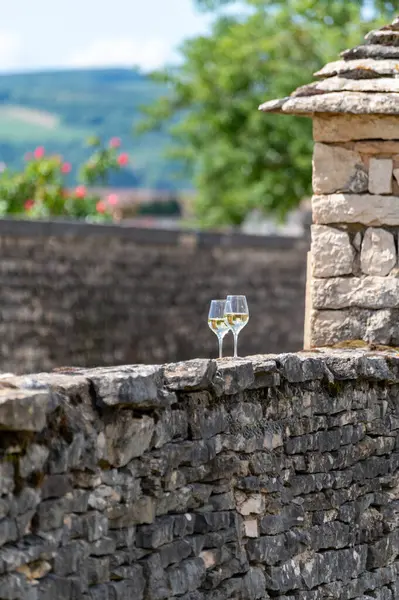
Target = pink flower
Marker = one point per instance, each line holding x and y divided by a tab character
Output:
66	167
28	156
115	142
123	159
80	191
29	204
39	152
100	207
113	199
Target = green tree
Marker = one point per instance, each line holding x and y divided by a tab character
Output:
238	157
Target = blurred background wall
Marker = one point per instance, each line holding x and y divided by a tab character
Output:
78	294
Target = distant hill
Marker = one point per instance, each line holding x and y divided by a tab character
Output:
61	109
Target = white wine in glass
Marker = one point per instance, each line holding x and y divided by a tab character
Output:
237	315
217	321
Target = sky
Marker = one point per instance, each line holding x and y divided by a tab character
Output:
45	34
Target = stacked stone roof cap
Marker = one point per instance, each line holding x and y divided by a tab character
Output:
364	81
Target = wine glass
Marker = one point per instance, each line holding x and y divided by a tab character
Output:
237	315
217	321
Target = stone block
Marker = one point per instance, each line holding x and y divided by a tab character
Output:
56	486
330	326
352	208
172	424
384	551
127	437
26	500
50	514
25	410
297	368
102	547
95	525
235	375
251	528
212	521
6	477
346	128
132	587
378	254
34	460
332	252
123	538
380	176
381	327
289	517
254	584
125	515
70	559
186	577
103	496
97	570
337	169
367	292
15	586
191	375
175	552
139	386
249	505
8	531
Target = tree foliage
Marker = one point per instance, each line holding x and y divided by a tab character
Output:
256	50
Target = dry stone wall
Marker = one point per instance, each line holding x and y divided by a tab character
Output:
355	284
267	477
93	295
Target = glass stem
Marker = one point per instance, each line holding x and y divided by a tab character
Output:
220	338
235	344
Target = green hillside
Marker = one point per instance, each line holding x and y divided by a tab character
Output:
61	109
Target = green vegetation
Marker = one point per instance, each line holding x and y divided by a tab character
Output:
240	158
38	190
203	113
59	110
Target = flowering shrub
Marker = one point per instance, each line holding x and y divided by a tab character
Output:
39	191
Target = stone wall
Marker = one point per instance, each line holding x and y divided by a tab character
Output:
355	285
269	477
103	295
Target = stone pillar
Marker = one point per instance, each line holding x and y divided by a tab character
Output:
353	276
355	284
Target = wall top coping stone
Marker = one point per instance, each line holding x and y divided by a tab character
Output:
27	400
163	237
364	81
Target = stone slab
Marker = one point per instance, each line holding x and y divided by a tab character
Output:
361	292
371	51
373	68
366	209
346	128
354	103
343	84
24	409
330	327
